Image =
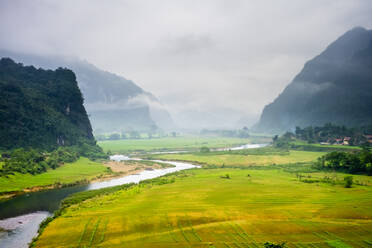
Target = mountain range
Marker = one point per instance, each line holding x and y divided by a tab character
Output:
334	87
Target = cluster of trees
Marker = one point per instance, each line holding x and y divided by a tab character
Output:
329	133
118	136
34	161
350	162
240	133
205	149
283	141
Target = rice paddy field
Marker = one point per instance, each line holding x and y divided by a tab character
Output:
174	143
238	160
244	206
204	209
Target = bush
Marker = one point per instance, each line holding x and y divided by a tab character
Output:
273	245
348	181
114	136
205	149
227	176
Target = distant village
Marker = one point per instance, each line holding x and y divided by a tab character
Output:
346	141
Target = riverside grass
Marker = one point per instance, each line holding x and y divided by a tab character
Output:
200	208
82	169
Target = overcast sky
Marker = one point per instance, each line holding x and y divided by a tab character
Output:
226	57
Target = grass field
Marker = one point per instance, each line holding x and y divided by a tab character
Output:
177	143
339	147
69	173
201	209
239	159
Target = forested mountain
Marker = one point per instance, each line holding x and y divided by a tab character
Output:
335	86
41	108
112	102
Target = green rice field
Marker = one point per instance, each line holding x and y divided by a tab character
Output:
236	159
174	143
261	195
203	208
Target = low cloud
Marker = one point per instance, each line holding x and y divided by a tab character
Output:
194	55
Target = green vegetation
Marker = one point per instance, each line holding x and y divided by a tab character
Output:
35	162
41	108
81	170
205	149
198	208
273	245
302	145
357	162
330	133
244	158
288	141
241	133
172	143
348	181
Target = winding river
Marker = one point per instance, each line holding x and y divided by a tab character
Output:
22	215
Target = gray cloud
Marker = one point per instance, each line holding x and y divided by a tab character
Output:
203	56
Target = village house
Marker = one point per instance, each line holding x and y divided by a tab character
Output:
346	141
369	138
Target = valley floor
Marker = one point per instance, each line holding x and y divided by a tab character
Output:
175	143
224	207
245	158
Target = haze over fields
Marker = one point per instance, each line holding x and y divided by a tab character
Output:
211	63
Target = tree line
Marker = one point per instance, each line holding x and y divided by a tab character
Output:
330	133
359	162
36	161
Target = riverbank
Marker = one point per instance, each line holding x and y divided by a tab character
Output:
81	172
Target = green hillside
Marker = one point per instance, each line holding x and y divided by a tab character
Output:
41	108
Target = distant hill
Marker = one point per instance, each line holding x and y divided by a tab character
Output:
335	86
112	102
41	108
